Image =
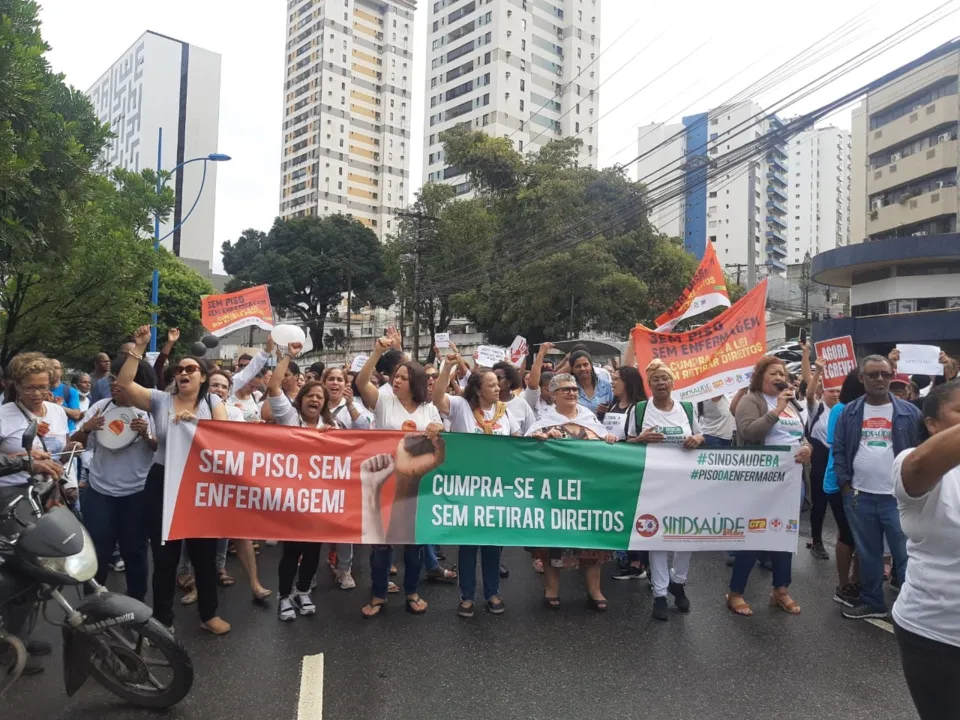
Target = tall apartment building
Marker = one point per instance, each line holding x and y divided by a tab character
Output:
904	179
742	212
347	109
819	203
161	83
512	68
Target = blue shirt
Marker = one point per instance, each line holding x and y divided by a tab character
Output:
69	398
603	395
829	476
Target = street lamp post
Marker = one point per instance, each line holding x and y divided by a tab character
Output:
157	239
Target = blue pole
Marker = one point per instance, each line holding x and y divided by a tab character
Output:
155	289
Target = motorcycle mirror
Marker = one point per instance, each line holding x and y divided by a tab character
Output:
30	435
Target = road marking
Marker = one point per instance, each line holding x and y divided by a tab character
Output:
882	624
311	688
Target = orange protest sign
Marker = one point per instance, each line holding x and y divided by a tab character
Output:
222	314
836	357
706	290
717	357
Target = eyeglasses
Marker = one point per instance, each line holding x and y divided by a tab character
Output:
219	386
877	374
34	389
186	369
572	389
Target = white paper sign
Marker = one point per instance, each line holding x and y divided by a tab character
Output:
489	355
442	340
358	362
517	354
919	360
151	357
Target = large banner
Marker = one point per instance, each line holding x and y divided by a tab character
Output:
234	480
222	314
716	358
707	290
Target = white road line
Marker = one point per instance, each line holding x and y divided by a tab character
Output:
882	624
311	688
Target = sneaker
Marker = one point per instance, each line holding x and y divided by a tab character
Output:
846	595
118	565
680	598
304	603
660	611
465	609
345	578
630	573
864	611
285	609
818	551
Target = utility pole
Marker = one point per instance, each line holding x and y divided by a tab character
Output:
415	257
805	284
738	266
346	345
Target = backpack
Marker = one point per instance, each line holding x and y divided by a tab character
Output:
638	418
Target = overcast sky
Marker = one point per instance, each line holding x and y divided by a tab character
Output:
743	40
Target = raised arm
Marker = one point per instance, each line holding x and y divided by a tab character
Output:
812	389
273	387
368	391
440	398
244	376
533	379
173	335
806	372
630	352
139	395
924	467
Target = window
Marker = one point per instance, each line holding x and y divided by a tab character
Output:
523	44
521	106
579	52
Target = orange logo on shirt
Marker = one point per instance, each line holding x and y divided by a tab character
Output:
877	423
116	426
408	426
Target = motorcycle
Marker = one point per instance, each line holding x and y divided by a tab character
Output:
111	637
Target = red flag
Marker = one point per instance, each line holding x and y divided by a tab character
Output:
707	290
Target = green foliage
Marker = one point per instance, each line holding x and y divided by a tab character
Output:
309	262
181	288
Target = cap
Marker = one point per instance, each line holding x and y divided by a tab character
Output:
900	378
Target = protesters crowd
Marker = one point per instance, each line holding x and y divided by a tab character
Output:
882	454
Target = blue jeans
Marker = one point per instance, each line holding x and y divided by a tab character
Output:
714	441
430	560
873	517
112	521
489	570
782	563
380	556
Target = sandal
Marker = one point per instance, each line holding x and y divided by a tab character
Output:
441	574
216	626
189	597
739	606
186	582
375	608
784	602
416	605
261	595
496	606
595	604
551	602
466	609
393	588
224	579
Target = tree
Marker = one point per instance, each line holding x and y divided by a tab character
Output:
309	263
181	288
336	338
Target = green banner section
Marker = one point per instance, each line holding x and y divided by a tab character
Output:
521	492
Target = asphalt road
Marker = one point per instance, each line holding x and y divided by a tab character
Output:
530	663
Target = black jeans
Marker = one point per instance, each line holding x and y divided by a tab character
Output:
111	520
818	509
166	558
931	669
308	556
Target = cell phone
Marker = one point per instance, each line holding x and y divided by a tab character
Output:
803	335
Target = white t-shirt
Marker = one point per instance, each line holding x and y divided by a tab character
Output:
535	401
789	429
12	424
873	463
235	414
248	406
522	412
391	415
819	429
615	420
118	473
717	420
673	424
927	604
342	416
462	419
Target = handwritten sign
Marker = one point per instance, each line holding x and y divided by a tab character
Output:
919	360
517	353
442	340
358	362
489	355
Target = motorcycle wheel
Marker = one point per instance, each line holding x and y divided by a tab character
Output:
143	664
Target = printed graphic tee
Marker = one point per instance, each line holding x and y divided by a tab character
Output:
391	415
873	463
789	428
462	419
672	424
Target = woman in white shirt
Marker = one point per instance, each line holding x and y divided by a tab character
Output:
927	612
404	407
664	420
479	411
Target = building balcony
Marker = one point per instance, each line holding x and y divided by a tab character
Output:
774	205
926	162
776	192
926	206
774	220
777	179
777	162
776	235
775	264
921	121
777	250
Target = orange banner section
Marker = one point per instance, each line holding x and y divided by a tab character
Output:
716	358
706	290
837	358
222	314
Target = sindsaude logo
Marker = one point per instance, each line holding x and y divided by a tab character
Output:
680	527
